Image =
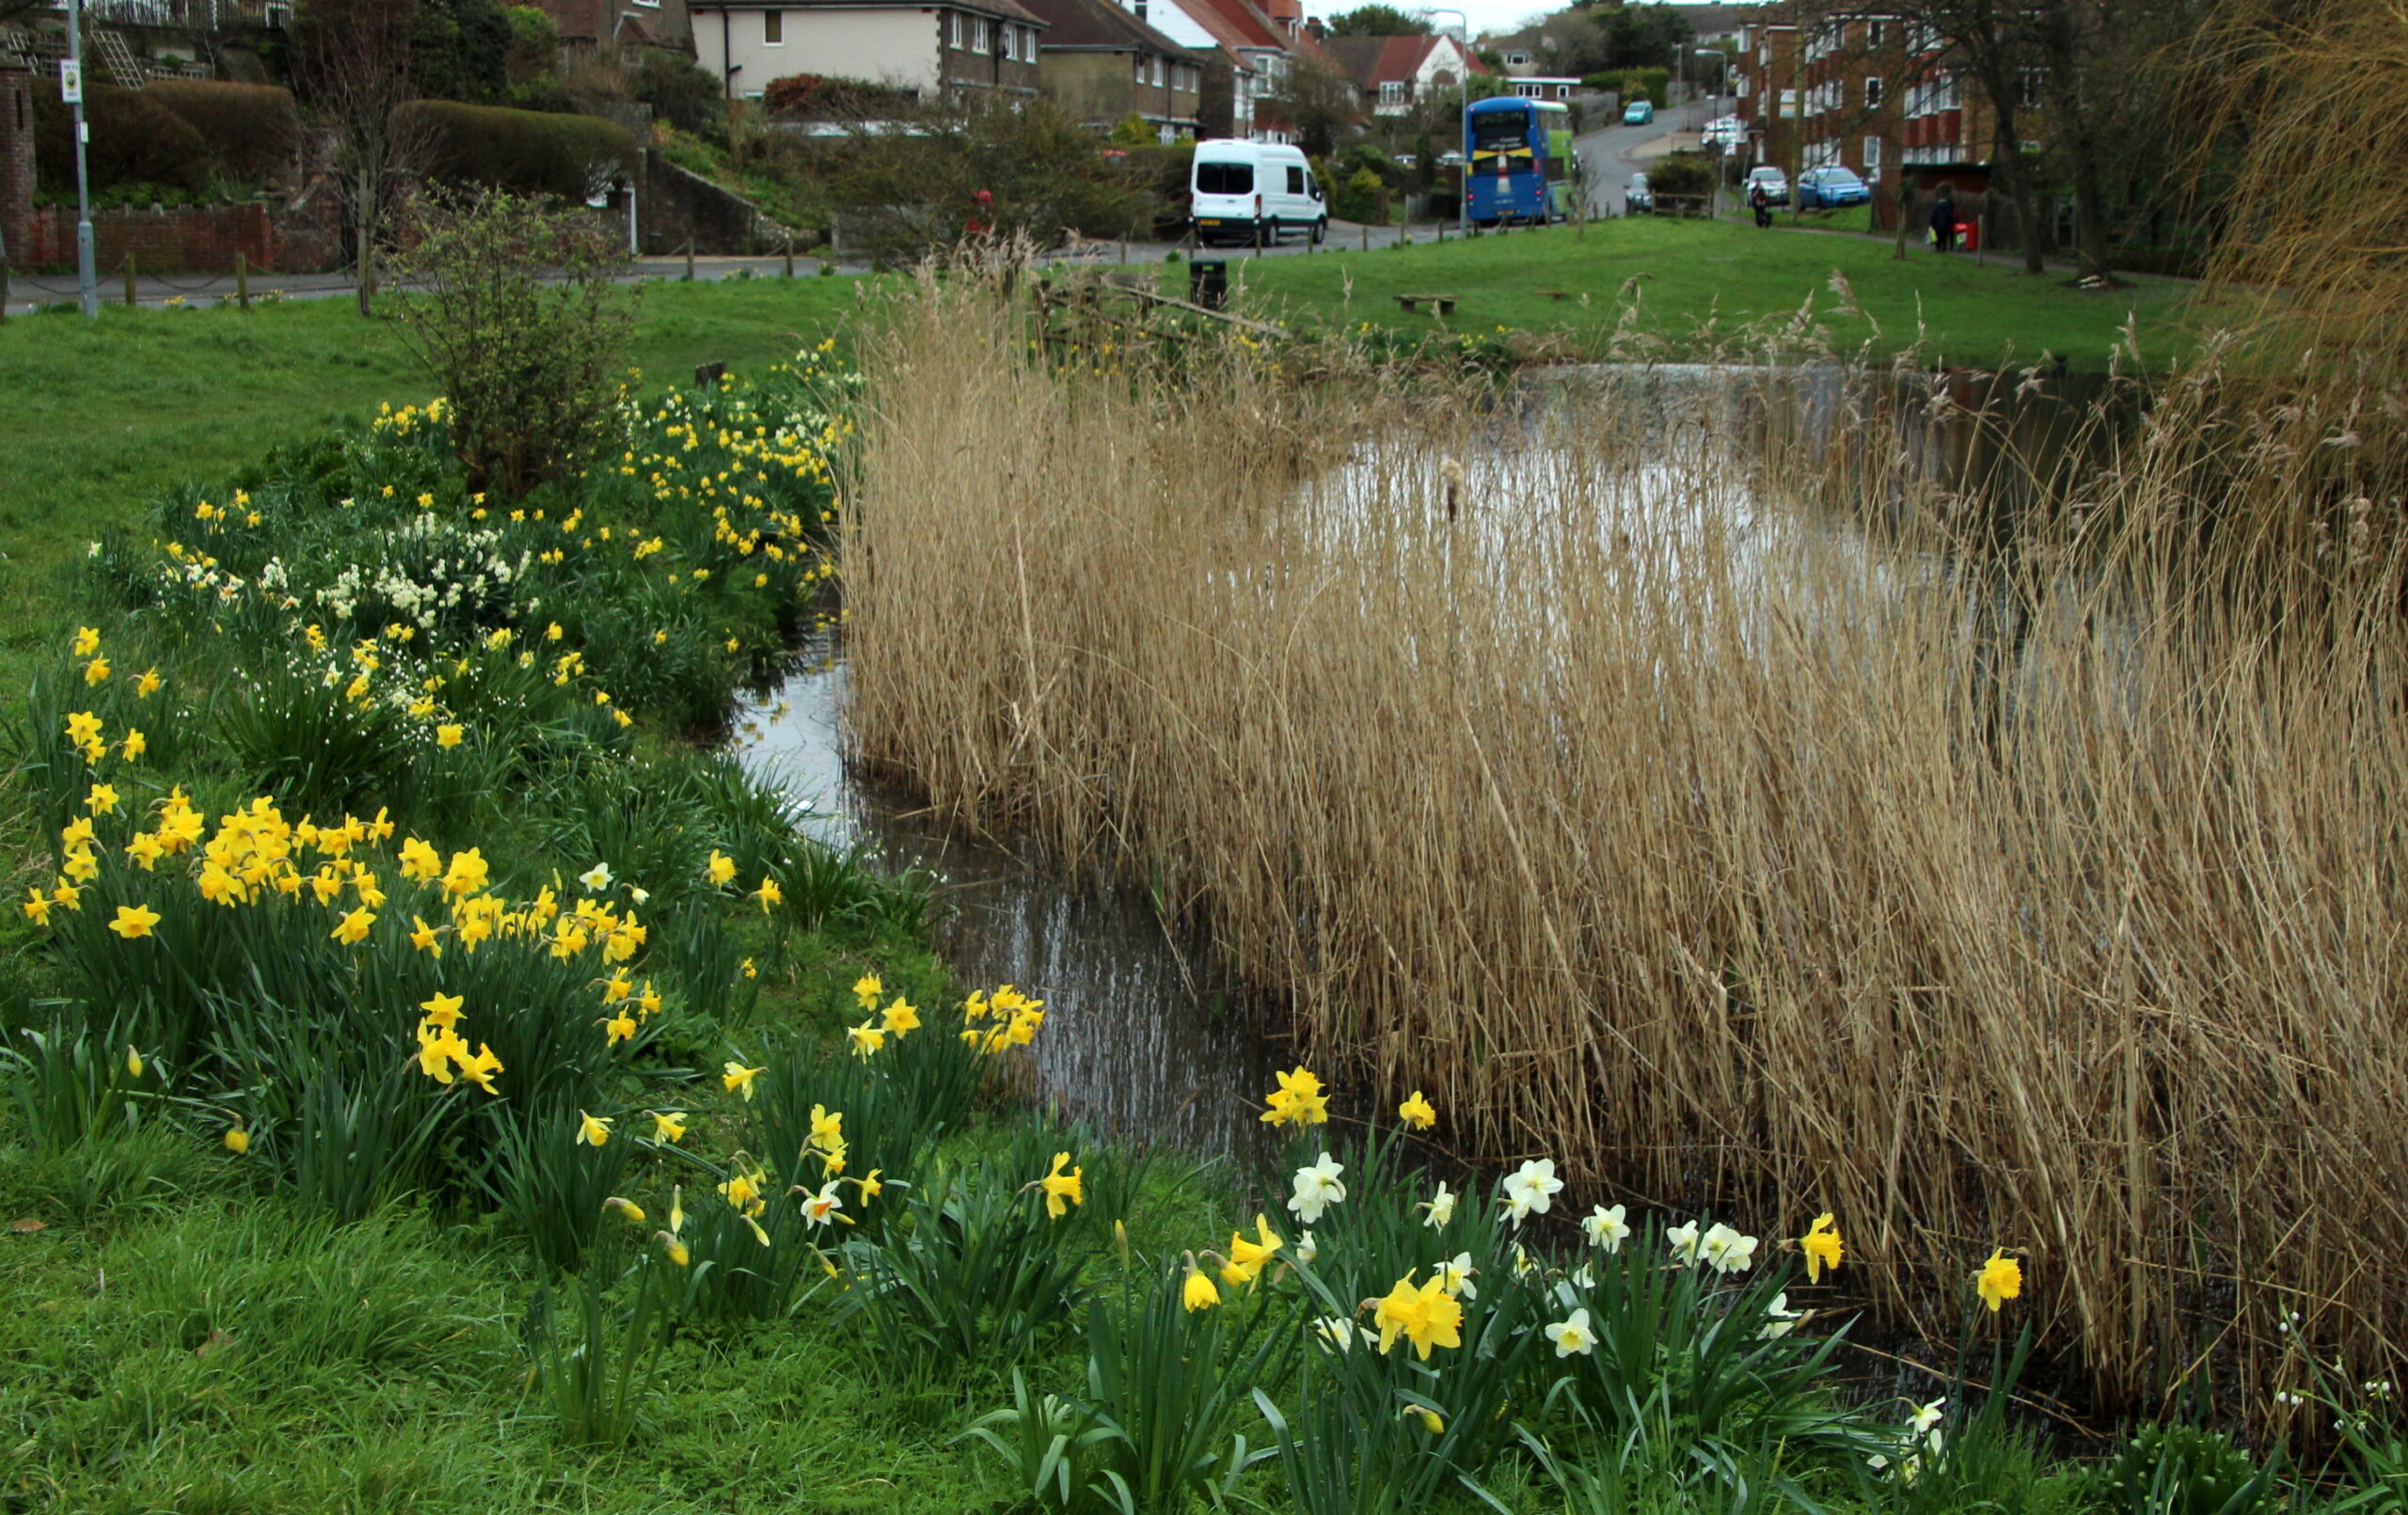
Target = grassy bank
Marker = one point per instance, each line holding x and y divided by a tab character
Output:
1698	283
101	418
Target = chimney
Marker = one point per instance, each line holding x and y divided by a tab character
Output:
1314	29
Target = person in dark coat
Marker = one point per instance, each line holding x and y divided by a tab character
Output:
1943	220
1761	203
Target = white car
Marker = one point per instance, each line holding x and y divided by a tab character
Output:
1775	183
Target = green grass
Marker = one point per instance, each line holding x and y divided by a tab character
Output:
102	417
1689	273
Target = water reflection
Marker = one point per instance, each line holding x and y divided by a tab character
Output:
1141	1038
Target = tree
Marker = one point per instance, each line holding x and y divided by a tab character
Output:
1379	21
1319	103
351	67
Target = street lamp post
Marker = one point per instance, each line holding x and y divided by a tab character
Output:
70	86
1463	169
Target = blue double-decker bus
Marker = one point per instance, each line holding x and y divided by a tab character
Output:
1518	160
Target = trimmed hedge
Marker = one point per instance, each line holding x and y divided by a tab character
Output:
135	140
251	131
523	152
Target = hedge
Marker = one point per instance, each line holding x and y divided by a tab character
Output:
524	151
251	131
135	140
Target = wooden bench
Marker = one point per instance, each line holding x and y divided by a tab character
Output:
1442	303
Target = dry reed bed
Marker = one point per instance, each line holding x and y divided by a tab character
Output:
1973	896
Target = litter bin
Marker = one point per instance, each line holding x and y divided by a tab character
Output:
1208	283
1969	235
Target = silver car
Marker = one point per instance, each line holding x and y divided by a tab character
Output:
1637	197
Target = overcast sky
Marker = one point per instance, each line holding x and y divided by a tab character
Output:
1487	15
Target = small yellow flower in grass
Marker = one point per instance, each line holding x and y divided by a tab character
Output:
721	868
134	745
668	1126
467	873
899	1018
626	1210
449	735
867	1040
674	1248
868	990
768	894
1821	1245
420	861
1062	1190
75	833
100	801
148	685
736	1076
553	632
83	728
133	1063
87	641
353	928
133	920
97	671
35	905
593	1129
237	1141
749	971
1198	1293
1418	1113
624	719
2000	1280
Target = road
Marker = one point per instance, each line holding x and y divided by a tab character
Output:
1609	156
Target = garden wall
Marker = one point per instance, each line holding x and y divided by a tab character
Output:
189	239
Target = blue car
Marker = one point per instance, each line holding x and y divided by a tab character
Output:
1638	113
1830	188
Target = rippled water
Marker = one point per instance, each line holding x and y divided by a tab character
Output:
1140	1039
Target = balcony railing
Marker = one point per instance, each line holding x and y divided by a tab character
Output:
188	15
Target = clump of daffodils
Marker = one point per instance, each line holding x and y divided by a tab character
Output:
997	1022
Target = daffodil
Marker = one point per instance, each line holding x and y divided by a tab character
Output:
237	1141
1572	1337
1418	1113
1726	1251
721	869
425	938
1682	1239
1455	1277
827	1129
87	641
736	1076
133	920
866	1039
1297	1101
1530	1188
595	878
353	928
626	1210
899	1018
668	1126
1779	1320
1606	1228
826	1207
134	745
1062	1190
1440	1206
133	1063
1317	1188
2000	1280
35	905
1821	1245
617	1029
100	801
443	1011
594	1130
1248	1258
768	894
1426	1317
1198	1293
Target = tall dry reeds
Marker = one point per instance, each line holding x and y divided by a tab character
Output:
1695	784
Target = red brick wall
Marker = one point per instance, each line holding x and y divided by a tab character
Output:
16	163
189	239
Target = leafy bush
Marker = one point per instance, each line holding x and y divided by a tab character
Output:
521	152
1681	173
679	92
2181	1469
816	97
251	131
135	140
528	360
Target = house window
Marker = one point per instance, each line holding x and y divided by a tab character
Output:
1872	157
953	29
1518	60
1872	93
1875	31
2035	89
1140	60
978	34
1158	72
773	28
1391	92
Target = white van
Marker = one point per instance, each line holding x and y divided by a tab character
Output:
1241	190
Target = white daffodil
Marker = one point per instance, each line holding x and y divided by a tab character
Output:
1317	1188
1926	1418
1607	1229
1455	1277
1530	1189
1336	1332
1441	1206
1523	1265
597	879
1585	1276
1572	1335
1779	1320
1682	1239
1306	1248
1726	1251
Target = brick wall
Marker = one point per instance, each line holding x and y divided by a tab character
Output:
677	207
16	163
186	240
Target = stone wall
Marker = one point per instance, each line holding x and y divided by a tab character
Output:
678	207
191	239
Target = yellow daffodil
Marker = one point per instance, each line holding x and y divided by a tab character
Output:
618	987
742	1193
1298	1101
136	744
133	1063
2000	1280
97	671
133	920
1248	1258
1418	1113
1426	1317
674	1248
237	1141
866	1039
868	990
425	938
721	869
443	1011
618	1028
626	1210
1821	1245
768	894
1198	1293
35	905
668	1126
449	735
899	1018
1062	1190
148	685
593	1129
87	641
83	728
827	1129
736	1076
353	928
100	801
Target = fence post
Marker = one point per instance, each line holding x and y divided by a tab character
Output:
241	279
1367	236
129	281
789	274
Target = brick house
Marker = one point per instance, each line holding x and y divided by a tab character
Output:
1105	64
1233	79
950	48
1395	73
585	25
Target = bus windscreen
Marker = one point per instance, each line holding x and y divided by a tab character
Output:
1494	131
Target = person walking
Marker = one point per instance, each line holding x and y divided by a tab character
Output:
1761	203
1943	220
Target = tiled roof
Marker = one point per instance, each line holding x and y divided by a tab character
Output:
1006	9
1099	24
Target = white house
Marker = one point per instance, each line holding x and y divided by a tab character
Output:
950	45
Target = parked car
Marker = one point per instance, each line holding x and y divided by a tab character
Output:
1242	191
1775	183
1830	188
1724	131
1637	197
1638	113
